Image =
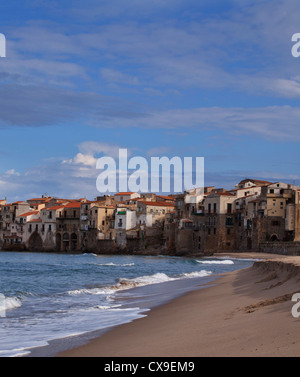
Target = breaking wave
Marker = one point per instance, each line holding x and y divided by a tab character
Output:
10	303
140	281
227	261
116	265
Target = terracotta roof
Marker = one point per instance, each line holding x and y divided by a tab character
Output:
254	180
125	193
158	204
29	214
55	208
37	199
225	193
73	205
165	197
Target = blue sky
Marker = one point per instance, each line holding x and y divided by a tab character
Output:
213	79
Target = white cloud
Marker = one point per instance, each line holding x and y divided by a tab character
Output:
96	148
12	172
83	159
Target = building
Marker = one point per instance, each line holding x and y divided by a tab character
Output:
297	216
124	196
150	213
67	228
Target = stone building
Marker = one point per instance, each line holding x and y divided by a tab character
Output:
297	216
67	228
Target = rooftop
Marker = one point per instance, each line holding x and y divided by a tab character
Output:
157	204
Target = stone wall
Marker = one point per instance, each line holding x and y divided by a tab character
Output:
282	248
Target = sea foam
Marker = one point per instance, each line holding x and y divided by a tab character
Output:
227	261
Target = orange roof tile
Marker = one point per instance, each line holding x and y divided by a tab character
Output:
157	204
29	214
125	193
54	208
73	205
37	199
165	197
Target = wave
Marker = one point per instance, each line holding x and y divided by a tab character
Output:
116	265
10	303
146	280
93	291
197	274
128	283
227	261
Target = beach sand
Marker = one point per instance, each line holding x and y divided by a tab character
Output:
245	313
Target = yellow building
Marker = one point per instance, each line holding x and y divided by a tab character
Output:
101	217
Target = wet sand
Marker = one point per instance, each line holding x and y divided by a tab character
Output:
245	313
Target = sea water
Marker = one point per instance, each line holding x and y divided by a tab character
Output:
58	296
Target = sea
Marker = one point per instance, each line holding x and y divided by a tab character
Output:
52	302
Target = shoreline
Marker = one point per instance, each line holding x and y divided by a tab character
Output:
244	313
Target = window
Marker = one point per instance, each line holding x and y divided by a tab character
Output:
43	228
271	191
275	223
229	221
50	228
229	207
209	208
215	207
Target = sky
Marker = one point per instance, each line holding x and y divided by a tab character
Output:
188	78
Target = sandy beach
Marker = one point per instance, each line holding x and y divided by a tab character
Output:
245	313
